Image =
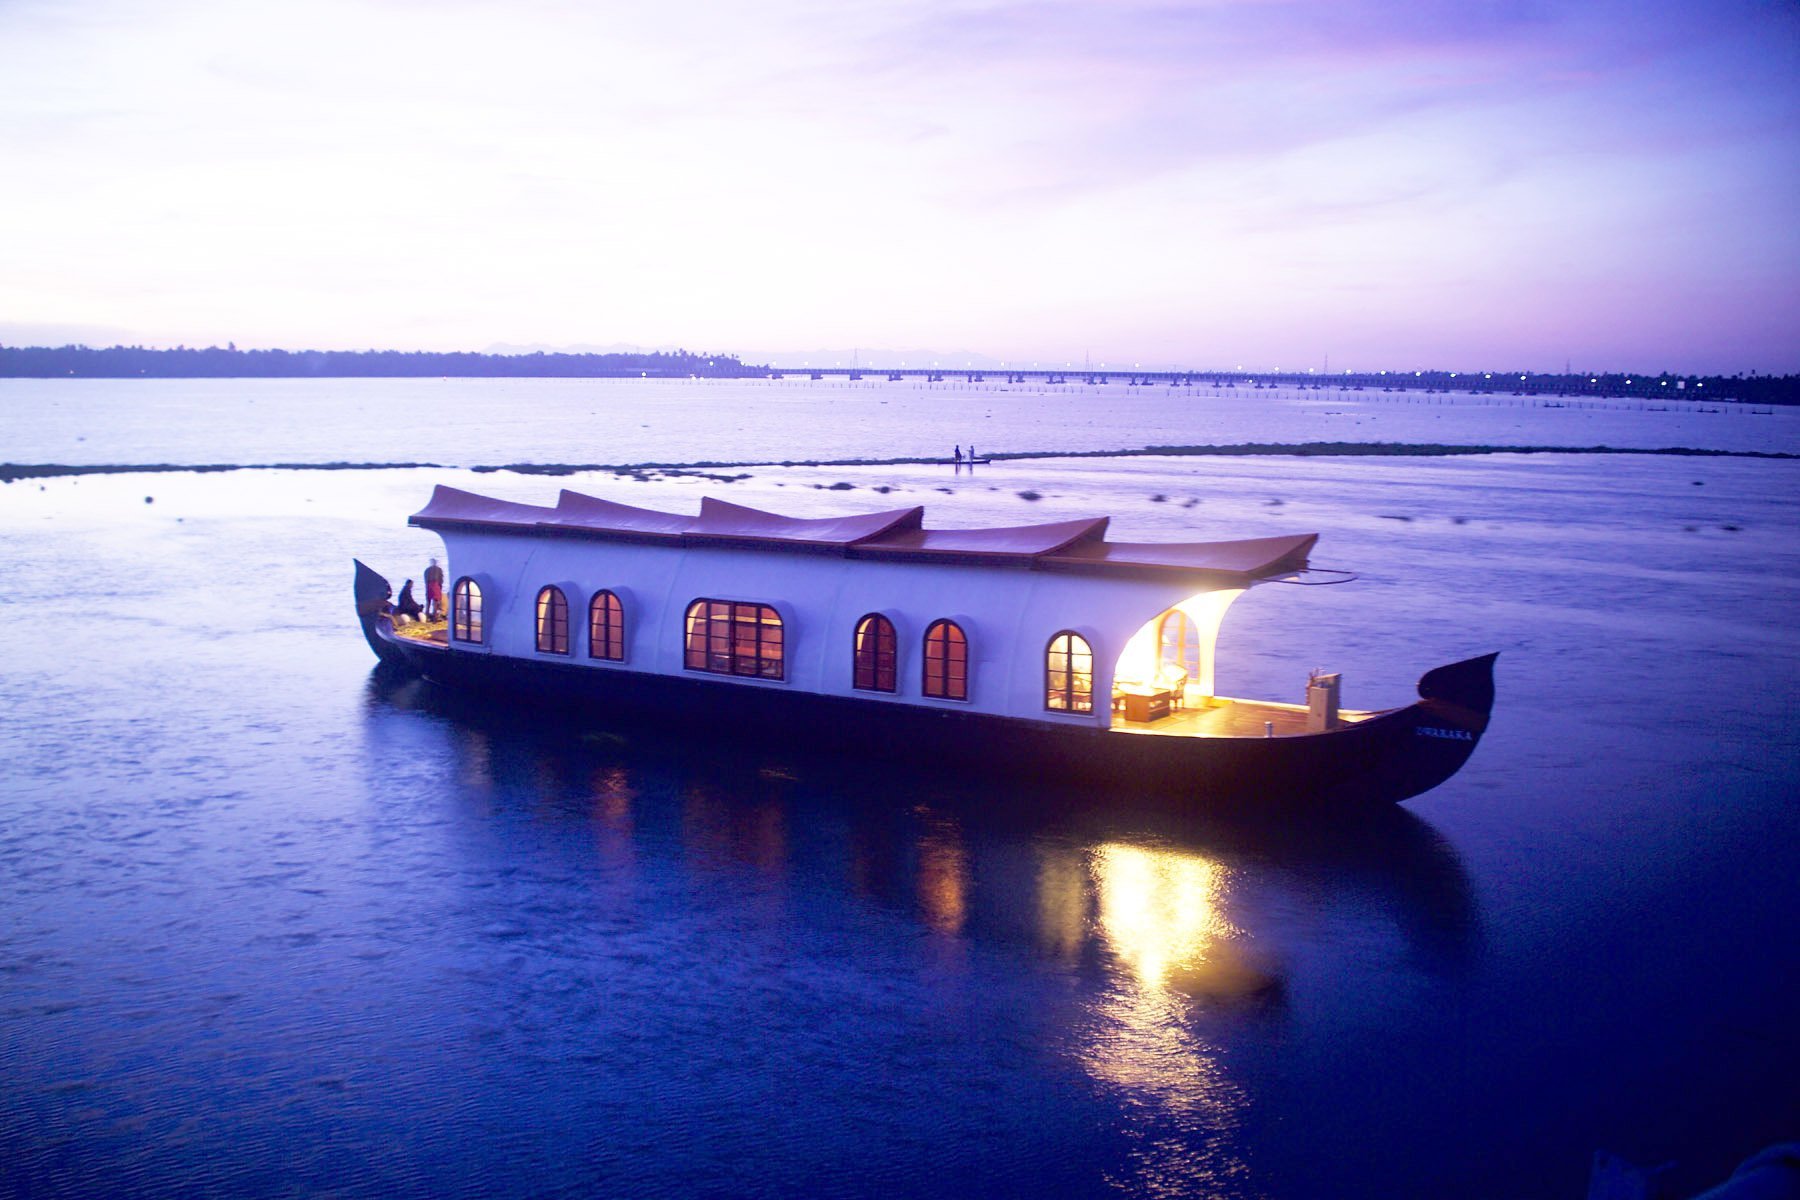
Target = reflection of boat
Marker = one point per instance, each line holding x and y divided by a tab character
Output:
1015	863
1045	650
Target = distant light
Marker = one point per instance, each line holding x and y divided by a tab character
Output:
1665	383
1489	375
1628	383
1593	381
1699	385
1521	379
1453	374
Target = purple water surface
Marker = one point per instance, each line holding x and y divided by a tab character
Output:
271	926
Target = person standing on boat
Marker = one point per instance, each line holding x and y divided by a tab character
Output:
434	591
958	458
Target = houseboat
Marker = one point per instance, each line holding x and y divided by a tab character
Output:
1047	651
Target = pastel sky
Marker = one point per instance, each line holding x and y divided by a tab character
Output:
1452	183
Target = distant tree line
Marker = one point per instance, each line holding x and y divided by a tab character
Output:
138	362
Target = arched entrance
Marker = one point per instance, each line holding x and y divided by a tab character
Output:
1170	658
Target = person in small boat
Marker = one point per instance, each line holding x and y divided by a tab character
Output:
406	607
434	591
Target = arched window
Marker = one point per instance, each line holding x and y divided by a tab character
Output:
726	637
877	655
946	661
1178	640
552	621
465	610
606	627
1069	674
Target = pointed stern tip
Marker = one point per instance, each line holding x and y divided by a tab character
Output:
372	589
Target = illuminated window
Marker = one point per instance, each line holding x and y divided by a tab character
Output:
1069	674
730	638
946	661
465	610
1179	639
606	627
877	655
552	621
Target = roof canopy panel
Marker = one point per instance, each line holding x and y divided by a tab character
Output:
721	519
574	510
454	504
1019	540
1253	558
1078	545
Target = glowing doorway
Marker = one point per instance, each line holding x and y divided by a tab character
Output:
1175	650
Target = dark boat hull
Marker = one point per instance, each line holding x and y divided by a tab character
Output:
1381	760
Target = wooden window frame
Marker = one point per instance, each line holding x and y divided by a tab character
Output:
552	620
1062	670
742	639
875	655
945	674
465	611
606	626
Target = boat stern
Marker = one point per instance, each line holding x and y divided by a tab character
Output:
372	591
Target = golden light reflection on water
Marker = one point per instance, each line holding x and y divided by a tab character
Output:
1161	916
719	829
943	878
1160	911
1062	902
614	827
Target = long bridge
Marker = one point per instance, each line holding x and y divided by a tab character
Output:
1664	386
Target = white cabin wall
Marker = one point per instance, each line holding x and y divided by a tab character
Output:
1009	613
1103	610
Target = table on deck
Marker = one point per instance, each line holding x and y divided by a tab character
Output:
1146	703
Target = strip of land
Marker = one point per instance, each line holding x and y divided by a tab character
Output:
14	471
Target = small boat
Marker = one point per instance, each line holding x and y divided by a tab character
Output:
1045	652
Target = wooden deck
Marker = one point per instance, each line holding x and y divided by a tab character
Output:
424	631
1221	716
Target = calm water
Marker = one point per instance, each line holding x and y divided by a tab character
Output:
461	422
271	928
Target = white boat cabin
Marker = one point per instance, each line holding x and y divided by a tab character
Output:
1047	622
